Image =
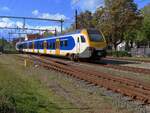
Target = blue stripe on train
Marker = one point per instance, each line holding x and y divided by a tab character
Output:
70	43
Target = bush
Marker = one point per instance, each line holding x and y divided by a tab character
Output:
119	53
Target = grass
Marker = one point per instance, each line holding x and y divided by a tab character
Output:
20	93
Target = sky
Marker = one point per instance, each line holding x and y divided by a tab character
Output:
53	9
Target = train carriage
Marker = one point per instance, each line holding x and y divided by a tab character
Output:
80	44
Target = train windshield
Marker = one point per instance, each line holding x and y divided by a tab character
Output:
95	36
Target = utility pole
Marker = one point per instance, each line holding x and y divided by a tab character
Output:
9	41
55	32
24	23
61	25
76	19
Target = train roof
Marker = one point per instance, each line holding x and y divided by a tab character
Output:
67	34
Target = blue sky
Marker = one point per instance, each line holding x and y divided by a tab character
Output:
63	7
54	9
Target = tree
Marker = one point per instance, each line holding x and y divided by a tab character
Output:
98	20
85	20
118	17
3	42
146	22
46	34
142	35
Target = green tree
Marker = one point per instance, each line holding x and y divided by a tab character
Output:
4	43
118	17
142	35
46	34
85	20
146	22
98	21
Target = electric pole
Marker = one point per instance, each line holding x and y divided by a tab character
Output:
55	32
61	25
76	19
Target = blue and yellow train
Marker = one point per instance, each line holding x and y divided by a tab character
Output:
80	44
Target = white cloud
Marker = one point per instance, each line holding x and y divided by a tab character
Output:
35	12
5	8
19	24
75	1
91	5
5	22
56	16
53	16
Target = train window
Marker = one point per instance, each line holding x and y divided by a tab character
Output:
30	45
78	40
48	45
36	45
20	46
83	39
61	43
65	43
42	45
95	36
54	45
25	45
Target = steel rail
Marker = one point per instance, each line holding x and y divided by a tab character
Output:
127	87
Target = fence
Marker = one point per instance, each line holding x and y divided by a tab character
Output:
140	52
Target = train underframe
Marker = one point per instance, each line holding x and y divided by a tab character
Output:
94	55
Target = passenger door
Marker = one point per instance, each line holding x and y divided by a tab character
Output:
78	45
33	46
57	52
45	47
83	44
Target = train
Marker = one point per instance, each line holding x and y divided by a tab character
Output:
81	44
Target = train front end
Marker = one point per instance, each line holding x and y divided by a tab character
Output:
97	43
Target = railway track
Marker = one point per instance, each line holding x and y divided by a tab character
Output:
123	68
125	86
128	68
127	59
117	67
